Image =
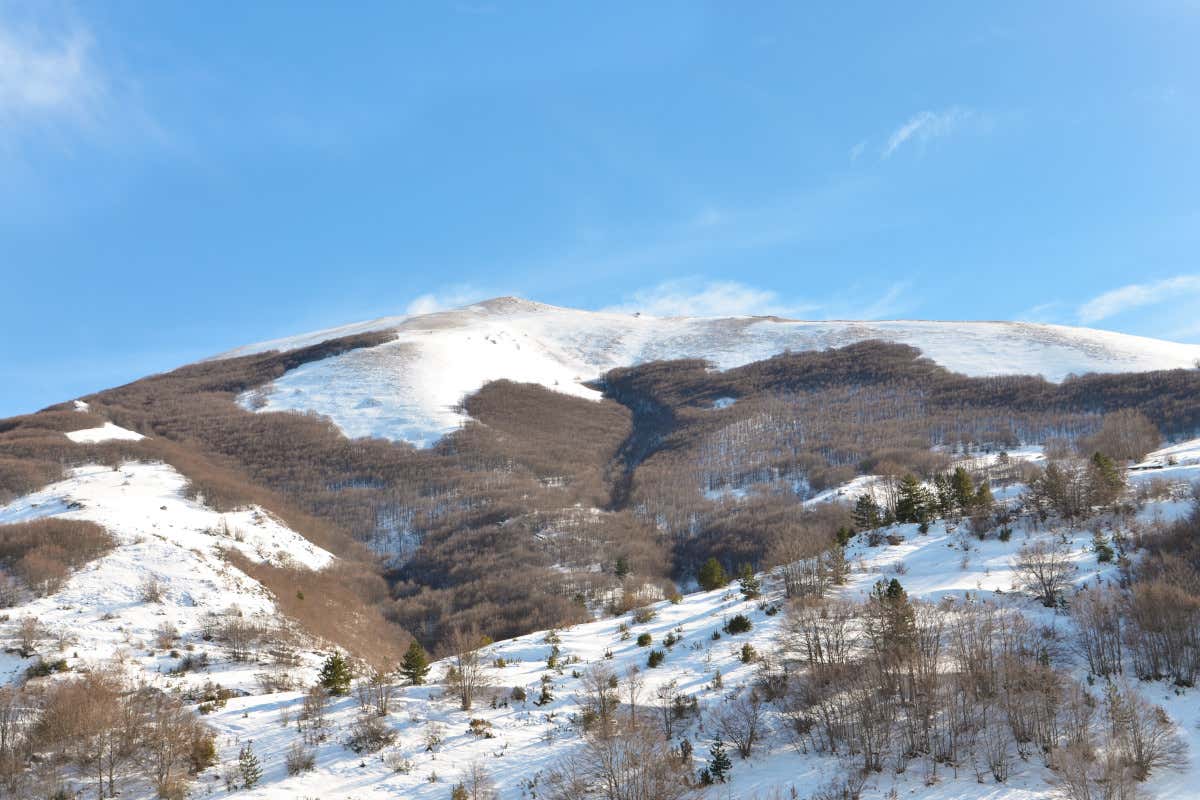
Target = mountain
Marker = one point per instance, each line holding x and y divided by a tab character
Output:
410	388
530	493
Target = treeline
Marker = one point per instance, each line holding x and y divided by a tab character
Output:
39	556
96	729
800	423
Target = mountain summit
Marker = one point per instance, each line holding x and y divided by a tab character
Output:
409	388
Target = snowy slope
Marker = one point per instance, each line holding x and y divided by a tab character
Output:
528	739
160	535
408	389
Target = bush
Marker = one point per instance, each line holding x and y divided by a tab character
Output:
370	734
738	623
644	639
43	553
643	615
299	759
655	658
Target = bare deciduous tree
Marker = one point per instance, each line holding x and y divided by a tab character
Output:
1043	568
467	673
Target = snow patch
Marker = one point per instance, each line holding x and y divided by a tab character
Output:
105	433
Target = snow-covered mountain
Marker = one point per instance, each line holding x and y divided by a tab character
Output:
409	389
163	536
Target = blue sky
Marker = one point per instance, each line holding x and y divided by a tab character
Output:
181	178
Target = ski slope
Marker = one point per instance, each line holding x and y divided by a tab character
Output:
409	389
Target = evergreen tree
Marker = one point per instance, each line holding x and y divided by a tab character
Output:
914	503
843	536
459	792
943	494
890	620
248	767
415	665
750	585
621	568
1105	480
866	513
712	575
335	674
963	489
719	764
983	496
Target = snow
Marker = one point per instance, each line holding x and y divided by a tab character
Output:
409	389
1177	462
529	739
105	433
162	533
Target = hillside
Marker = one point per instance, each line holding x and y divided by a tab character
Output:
191	548
410	388
507	740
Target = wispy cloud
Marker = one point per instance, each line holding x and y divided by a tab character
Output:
48	76
1138	295
699	297
447	297
696	297
926	126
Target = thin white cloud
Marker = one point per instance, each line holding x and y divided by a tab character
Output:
446	298
857	150
1138	295
692	297
926	126
48	77
696	297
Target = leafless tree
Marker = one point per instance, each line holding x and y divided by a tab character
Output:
467	673
741	719
1097	614
477	782
633	764
1044	568
633	690
600	699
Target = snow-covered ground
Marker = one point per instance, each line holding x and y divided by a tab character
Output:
105	433
162	534
527	739
409	389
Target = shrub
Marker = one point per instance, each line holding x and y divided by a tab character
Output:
299	759
655	658
738	623
644	639
370	734
643	615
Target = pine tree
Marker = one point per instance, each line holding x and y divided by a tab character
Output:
750	585
914	502
1105	481
621	569
983	497
943	494
963	489
248	767
719	764
866	513
712	575
335	674
891	621
415	665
